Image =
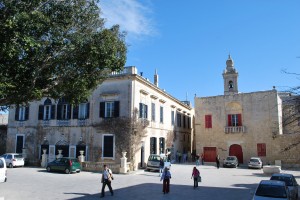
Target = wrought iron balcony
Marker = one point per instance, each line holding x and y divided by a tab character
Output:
234	129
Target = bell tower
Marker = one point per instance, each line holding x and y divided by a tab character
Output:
230	76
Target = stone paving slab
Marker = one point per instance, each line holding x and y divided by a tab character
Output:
218	184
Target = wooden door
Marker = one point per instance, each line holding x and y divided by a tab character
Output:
210	154
236	150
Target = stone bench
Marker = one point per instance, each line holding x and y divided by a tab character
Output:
271	169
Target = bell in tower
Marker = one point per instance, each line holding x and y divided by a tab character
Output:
230	76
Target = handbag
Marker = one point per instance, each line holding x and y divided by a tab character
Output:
199	179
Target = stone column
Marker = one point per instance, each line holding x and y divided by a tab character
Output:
81	158
44	158
123	169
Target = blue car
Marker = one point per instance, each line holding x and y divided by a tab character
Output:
269	189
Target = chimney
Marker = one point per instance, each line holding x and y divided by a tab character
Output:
156	78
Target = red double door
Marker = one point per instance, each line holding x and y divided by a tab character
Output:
210	153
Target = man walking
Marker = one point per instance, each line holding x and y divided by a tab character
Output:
106	179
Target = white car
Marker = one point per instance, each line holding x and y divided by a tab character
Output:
255	162
13	160
3	170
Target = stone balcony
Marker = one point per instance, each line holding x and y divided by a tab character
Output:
234	129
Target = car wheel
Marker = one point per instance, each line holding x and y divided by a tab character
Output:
48	169
67	171
78	171
10	165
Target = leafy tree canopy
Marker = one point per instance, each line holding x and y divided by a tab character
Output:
55	48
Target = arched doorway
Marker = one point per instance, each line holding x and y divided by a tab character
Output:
236	150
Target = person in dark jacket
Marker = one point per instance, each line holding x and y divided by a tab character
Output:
218	161
161	166
166	176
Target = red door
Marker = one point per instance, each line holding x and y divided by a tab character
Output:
210	154
236	150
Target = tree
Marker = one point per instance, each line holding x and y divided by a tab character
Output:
55	48
291	108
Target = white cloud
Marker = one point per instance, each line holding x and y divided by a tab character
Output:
132	16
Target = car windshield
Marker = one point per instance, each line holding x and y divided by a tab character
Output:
254	160
288	180
154	158
271	191
18	156
230	158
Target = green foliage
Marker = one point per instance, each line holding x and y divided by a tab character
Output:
55	48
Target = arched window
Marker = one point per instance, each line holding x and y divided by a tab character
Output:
47	102
230	84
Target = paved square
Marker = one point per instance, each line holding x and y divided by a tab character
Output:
217	184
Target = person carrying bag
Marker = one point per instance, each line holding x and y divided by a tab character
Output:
106	179
196	176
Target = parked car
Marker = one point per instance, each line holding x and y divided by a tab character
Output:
231	161
153	162
290	182
270	189
13	160
3	171
65	164
255	162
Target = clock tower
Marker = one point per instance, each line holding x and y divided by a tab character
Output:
230	76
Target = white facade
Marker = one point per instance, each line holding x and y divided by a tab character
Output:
54	124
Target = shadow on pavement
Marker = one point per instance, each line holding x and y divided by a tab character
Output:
152	191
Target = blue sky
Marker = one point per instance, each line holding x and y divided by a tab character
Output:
188	42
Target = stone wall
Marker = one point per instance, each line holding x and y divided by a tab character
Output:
98	166
286	148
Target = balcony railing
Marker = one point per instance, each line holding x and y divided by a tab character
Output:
63	123
82	122
234	129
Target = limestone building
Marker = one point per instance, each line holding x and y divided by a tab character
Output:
241	124
56	125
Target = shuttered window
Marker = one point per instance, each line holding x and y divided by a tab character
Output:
235	120
143	111
208	121
261	149
109	109
22	113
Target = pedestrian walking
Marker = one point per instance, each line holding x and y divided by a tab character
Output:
202	158
197	160
161	166
166	176
106	179
218	161
195	176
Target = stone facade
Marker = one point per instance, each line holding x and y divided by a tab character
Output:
244	124
54	124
